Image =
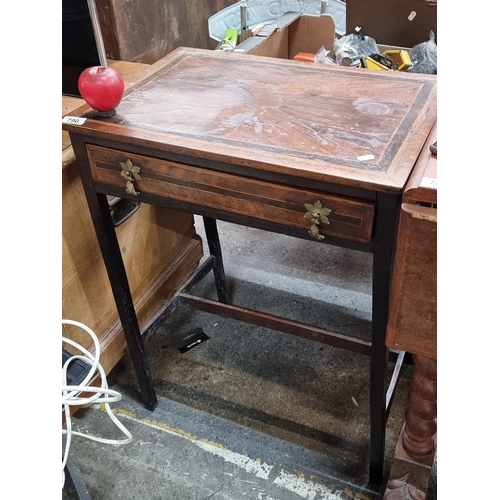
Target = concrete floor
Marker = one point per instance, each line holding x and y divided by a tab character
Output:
251	413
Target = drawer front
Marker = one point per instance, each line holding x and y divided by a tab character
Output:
232	193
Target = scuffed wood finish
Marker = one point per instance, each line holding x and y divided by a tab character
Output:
413	309
279	117
221	191
130	73
402	488
422	186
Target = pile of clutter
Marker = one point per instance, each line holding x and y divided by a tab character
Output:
360	51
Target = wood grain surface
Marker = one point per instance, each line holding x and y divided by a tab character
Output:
352	126
413	315
223	191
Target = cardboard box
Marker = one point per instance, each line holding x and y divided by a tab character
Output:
290	34
294	33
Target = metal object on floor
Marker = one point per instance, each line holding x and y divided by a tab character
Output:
74	487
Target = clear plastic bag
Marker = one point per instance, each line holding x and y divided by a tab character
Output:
352	47
424	57
322	56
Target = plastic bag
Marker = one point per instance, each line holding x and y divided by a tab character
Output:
322	56
352	47
424	57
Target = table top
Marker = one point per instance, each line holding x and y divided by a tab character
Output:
422	186
350	126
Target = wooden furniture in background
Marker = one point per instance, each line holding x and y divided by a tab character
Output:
160	249
405	23
412	326
266	143
412	319
147	31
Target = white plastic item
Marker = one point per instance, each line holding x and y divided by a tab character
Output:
266	11
84	394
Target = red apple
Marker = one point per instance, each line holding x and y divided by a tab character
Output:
102	87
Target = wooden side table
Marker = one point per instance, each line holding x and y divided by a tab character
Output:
160	247
312	151
412	326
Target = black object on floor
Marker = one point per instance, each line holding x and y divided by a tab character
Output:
186	342
77	370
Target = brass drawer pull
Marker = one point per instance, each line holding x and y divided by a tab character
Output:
131	173
317	214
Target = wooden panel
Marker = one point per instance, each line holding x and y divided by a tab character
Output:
413	309
147	31
244	196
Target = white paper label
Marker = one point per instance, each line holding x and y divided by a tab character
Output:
429	182
366	157
74	120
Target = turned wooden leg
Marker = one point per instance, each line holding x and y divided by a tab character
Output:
416	447
419	432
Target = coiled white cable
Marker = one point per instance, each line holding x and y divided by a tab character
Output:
71	394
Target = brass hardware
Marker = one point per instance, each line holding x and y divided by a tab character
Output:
317	214
131	173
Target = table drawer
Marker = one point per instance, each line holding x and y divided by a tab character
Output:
260	199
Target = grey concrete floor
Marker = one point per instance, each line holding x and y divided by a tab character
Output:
251	413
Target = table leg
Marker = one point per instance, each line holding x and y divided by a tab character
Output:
110	249
420	427
416	447
74	485
387	209
215	250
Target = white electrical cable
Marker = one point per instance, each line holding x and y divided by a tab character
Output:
71	395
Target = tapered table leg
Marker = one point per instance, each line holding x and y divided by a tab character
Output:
382	265
215	250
